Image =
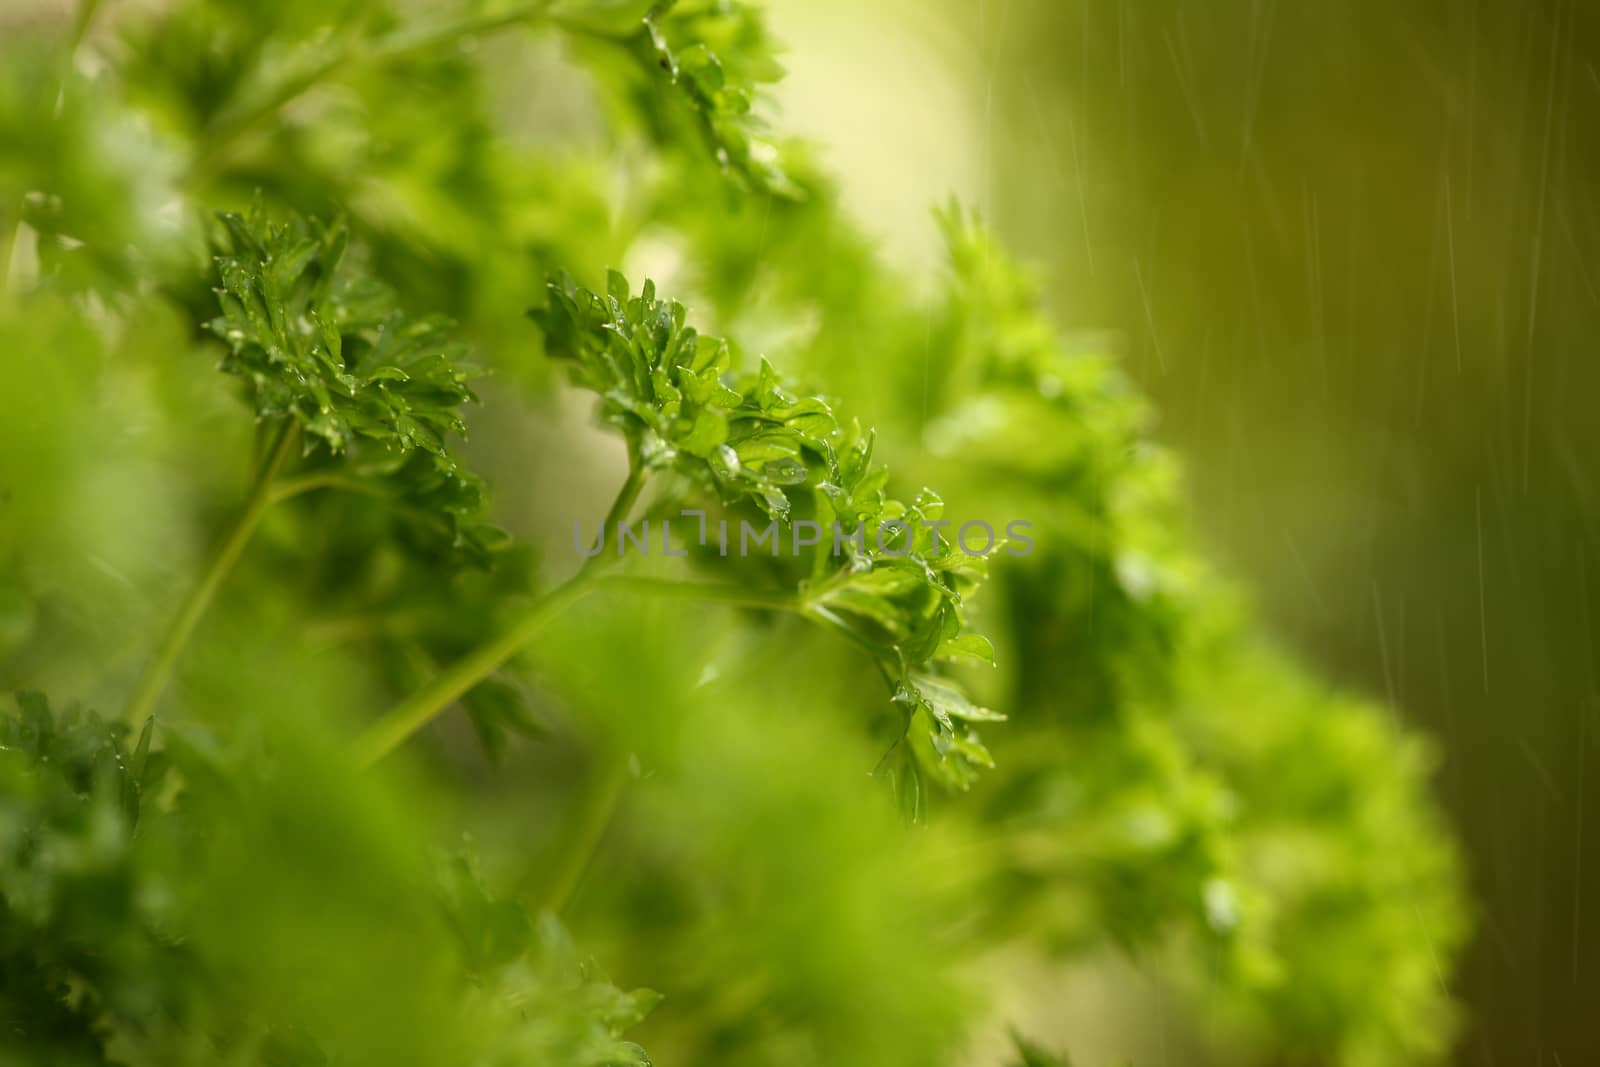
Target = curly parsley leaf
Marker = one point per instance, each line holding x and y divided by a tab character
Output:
329	349
526	970
694	70
76	940
717	55
880	570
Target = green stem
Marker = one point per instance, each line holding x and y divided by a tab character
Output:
417	710
405	719
410	42
831	622
621	507
154	679
709	592
579	28
594	819
80	23
760	599
290	488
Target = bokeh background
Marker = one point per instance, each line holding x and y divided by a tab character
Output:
1351	251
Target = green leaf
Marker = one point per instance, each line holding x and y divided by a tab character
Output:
756	441
330	349
968	646
720	98
948	701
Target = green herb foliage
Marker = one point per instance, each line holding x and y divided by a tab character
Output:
753	783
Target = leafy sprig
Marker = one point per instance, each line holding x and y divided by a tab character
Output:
882	574
330	350
76	936
550	1004
717	56
108	925
328	358
1173	710
695	71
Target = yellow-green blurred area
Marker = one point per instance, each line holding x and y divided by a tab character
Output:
1353	253
1276	320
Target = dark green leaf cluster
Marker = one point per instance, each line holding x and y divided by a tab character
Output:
903	597
336	355
1192	753
330	350
115	939
556	1009
717	55
668	389
691	74
76	940
882	573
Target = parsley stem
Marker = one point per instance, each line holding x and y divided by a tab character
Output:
159	669
290	488
417	710
760	599
710	592
621	507
599	808
395	45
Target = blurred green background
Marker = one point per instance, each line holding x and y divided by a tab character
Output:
1351	252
